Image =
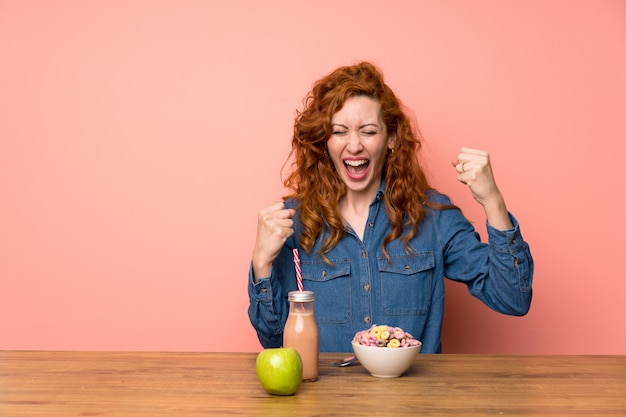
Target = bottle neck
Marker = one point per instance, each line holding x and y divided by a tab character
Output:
301	307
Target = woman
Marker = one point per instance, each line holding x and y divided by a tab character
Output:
375	240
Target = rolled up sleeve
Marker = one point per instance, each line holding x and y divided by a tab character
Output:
262	311
512	265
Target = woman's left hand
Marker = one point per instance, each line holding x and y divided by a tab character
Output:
474	170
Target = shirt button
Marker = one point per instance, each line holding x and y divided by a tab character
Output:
366	319
364	254
371	224
366	287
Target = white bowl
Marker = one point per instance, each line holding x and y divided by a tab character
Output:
384	362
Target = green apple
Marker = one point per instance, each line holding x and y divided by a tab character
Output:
279	370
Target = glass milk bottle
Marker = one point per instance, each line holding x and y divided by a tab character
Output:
301	332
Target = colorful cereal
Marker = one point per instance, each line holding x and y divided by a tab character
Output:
385	336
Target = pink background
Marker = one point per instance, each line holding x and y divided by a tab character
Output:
139	139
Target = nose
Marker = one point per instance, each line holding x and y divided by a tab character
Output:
354	144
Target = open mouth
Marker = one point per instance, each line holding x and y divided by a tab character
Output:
356	168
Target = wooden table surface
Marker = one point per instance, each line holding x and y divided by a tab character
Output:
154	384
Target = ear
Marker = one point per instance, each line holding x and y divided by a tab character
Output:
391	142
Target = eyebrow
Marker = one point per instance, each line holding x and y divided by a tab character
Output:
360	127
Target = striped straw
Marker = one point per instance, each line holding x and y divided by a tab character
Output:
296	262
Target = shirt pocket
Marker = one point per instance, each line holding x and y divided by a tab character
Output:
332	288
406	283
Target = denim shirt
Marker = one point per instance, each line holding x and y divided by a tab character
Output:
362	287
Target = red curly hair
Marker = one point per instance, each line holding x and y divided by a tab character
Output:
314	179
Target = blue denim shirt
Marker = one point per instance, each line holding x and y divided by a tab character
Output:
363	288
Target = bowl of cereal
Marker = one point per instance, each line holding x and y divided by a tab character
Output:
385	351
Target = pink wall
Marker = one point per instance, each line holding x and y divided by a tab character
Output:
139	139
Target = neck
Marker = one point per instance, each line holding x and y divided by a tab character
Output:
358	201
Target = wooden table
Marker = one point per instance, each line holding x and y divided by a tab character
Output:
199	384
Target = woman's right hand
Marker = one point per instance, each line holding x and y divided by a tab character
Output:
274	227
